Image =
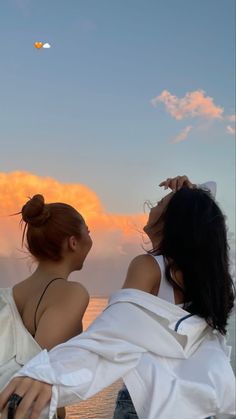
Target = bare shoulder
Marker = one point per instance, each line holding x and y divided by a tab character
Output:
63	295
70	292
143	273
77	290
63	314
143	260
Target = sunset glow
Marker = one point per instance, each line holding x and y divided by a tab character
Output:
16	187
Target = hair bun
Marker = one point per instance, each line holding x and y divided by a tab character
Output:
35	211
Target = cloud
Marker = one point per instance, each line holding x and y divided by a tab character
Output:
117	237
47	45
182	135
193	104
230	130
15	187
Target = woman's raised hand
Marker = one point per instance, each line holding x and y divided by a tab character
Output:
177	183
35	396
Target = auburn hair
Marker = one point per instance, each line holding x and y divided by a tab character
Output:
47	226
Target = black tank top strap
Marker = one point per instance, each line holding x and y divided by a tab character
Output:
54	279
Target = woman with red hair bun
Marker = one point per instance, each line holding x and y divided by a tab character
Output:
44	309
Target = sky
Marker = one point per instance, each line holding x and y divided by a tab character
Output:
130	93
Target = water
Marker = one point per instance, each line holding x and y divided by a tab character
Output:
102	405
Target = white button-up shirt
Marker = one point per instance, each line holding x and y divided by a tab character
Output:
173	364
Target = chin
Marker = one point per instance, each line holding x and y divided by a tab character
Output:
145	228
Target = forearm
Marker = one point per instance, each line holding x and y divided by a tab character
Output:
84	365
77	377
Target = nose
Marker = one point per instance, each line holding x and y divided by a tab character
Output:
88	230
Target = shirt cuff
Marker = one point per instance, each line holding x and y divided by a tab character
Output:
39	368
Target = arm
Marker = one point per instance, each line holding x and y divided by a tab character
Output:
143	274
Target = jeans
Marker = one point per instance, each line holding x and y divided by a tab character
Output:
124	406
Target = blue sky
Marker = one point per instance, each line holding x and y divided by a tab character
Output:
81	111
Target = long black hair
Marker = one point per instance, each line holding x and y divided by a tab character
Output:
194	238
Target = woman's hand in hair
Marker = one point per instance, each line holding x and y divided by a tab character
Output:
177	183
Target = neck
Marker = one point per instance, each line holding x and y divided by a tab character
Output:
49	270
156	241
155	235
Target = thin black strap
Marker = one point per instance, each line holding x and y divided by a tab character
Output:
180	321
54	279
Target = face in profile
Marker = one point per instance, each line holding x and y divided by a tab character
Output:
155	221
85	240
81	245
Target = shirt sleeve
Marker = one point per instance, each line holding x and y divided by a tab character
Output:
86	364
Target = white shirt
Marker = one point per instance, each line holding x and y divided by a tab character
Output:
166	371
17	346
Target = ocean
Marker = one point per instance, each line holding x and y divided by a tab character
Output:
102	405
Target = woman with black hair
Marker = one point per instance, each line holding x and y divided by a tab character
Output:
189	262
164	334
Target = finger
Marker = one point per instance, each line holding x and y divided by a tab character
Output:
174	183
181	182
168	182
7	392
20	386
165	183
171	183
26	403
4	414
189	184
41	402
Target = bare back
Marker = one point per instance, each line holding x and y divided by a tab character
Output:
60	297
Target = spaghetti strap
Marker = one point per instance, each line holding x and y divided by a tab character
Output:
54	279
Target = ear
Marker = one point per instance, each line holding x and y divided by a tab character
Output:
72	243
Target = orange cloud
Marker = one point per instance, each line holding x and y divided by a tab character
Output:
193	104
182	135
111	232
